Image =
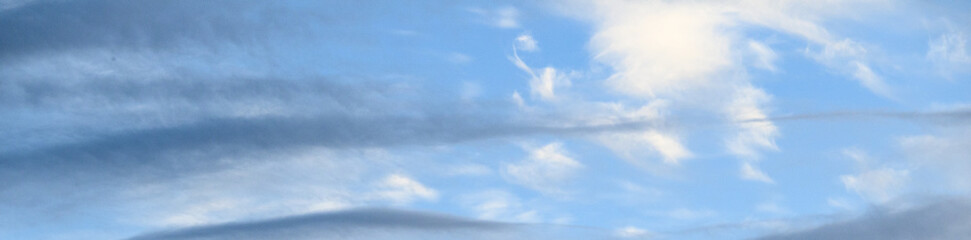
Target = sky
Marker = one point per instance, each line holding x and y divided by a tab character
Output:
572	119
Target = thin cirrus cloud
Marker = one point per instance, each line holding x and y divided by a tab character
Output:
543	82
501	17
547	168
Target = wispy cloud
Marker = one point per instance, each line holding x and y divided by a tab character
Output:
526	42
542	82
403	190
877	185
502	17
765	56
749	172
545	170
949	53
870	80
633	232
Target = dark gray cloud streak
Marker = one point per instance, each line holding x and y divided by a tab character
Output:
372	224
53	26
284	228
960	115
949	219
145	147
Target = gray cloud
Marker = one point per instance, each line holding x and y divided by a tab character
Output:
109	162
81	68
960	115
330	225
949	219
372	224
144	148
203	94
51	26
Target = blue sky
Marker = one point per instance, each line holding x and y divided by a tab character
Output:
484	119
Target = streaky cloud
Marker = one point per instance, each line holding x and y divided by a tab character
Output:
961	115
163	152
340	224
375	223
946	219
51	26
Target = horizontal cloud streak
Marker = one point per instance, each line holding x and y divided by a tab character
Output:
375	224
172	151
339	131
946	116
943	220
342	225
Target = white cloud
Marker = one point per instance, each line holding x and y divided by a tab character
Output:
518	99
521	64
544	83
685	52
949	47
403	190
503	17
877	186
506	17
498	205
526	42
669	147
659	48
749	172
751	136
870	80
640	147
944	156
859	156
616	113
765	57
688	52
949	53
801	18
632	232
545	169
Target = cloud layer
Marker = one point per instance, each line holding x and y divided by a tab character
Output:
943	220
